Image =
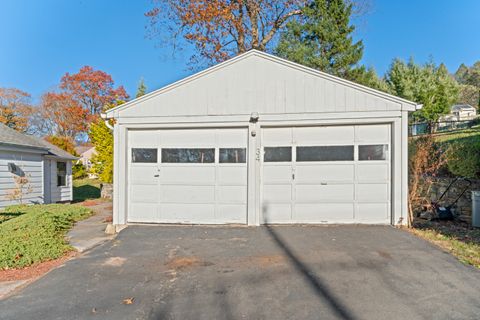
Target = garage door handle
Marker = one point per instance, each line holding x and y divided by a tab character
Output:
157	175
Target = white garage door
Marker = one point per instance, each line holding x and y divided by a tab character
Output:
188	176
332	174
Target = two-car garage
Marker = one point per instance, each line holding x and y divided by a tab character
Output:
257	140
322	174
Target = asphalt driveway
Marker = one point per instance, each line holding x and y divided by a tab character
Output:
295	272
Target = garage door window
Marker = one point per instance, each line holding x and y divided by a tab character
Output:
184	155
277	154
232	155
144	155
372	152
325	153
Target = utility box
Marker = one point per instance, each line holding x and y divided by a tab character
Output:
476	209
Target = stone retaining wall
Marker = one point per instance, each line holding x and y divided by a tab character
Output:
463	208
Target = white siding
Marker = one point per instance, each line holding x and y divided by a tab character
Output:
258	84
60	194
32	165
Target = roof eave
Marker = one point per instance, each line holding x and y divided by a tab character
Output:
406	104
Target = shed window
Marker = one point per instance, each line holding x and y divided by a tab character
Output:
277	154
190	155
61	174
373	152
232	155
325	153
144	155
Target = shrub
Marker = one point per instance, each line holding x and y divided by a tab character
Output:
37	233
79	171
464	157
426	159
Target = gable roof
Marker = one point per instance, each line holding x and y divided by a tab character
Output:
56	152
11	137
407	105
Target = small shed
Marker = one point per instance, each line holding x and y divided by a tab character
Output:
33	171
259	139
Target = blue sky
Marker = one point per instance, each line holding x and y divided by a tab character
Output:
41	40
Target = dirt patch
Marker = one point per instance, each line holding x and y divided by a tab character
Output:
267	261
114	262
34	271
89	203
182	263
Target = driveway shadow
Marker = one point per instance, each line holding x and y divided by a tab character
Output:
320	289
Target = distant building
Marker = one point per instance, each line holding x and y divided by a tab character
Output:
85	155
462	112
46	169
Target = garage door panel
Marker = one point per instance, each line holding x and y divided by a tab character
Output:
276	212
144	193
232	194
187	138
324	135
143	138
143	175
323	213
277	174
228	175
232	213
324	172
187	194
379	133
143	212
233	138
372	192
277	193
324	193
277	137
373	172
373	212
193	174
187	213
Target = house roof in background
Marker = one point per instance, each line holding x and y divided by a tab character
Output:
459	107
11	137
82	149
55	151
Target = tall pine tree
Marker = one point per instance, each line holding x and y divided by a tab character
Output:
322	39
141	89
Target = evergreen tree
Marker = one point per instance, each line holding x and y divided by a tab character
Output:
322	38
141	89
427	84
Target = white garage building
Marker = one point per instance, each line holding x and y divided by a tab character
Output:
259	139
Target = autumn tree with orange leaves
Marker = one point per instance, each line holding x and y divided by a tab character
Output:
61	115
15	108
92	89
220	29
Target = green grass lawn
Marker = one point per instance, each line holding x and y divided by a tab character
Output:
460	240
467	134
31	234
84	189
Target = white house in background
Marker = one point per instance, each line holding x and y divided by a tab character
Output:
47	168
85	155
259	139
463	112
